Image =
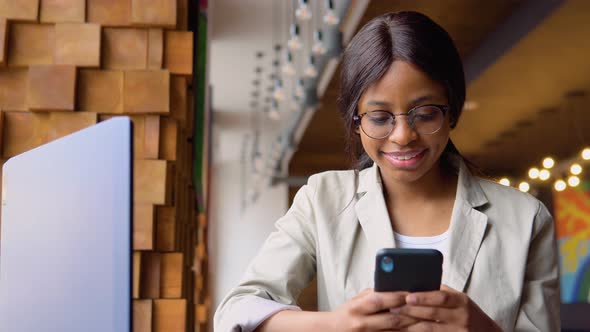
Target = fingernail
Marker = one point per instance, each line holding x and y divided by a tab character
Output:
395	311
411	299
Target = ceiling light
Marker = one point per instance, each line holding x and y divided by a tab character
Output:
548	162
560	185
318	44
294	42
573	181
299	89
470	105
288	67
533	173
576	169
278	90
330	17
310	70
504	182
303	13
586	154
274	114
524	187
544	174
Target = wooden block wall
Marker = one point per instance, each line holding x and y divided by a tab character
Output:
66	65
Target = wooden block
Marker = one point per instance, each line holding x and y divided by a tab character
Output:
150	179
160	13
155	48
151	141
136	274
63	11
182	15
51	88
23	131
147	91
138	136
21	10
171	275
77	44
150	275
143	226
178	101
142	315
169	315
109	12
13	91
202	313
165	228
31	44
124	49
168	139
100	91
64	123
178	52
3	40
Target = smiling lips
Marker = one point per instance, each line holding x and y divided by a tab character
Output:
405	159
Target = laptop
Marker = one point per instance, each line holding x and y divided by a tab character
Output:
65	247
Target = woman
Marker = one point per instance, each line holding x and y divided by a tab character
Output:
402	91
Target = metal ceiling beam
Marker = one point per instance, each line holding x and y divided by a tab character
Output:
522	21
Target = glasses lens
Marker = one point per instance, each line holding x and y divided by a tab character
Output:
377	124
426	119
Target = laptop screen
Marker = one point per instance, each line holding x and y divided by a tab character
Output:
65	248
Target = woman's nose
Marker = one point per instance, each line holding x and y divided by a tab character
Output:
402	134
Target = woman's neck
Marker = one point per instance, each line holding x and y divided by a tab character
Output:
435	184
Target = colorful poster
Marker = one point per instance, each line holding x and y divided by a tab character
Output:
572	217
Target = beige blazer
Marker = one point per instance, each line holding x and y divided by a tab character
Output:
502	249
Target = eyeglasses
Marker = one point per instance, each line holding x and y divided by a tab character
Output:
424	119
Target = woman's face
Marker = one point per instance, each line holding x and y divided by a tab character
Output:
405	155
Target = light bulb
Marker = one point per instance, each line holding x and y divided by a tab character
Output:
576	169
524	187
533	173
318	45
294	42
310	71
299	91
573	181
504	182
278	90
288	67
548	162
330	17
544	174
560	185
586	154
303	13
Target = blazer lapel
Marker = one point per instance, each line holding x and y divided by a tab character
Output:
468	226
372	211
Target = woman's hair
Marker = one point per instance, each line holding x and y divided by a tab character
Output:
407	36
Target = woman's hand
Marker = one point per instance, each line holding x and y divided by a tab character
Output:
445	310
370	311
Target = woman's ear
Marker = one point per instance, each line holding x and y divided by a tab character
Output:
357	129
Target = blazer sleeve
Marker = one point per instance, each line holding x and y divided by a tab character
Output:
540	302
283	267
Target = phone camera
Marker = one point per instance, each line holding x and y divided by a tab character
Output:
387	264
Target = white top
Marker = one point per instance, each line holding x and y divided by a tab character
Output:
256	310
438	242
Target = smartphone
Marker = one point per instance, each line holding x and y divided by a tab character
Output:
411	270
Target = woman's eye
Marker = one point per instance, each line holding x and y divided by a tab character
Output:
379	120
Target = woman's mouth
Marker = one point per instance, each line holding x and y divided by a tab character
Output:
405	159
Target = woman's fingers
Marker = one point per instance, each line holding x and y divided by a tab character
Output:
443	298
373	302
430	327
432	314
386	321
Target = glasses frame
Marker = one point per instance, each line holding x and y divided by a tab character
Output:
443	108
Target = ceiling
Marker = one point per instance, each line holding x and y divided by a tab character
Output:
530	94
